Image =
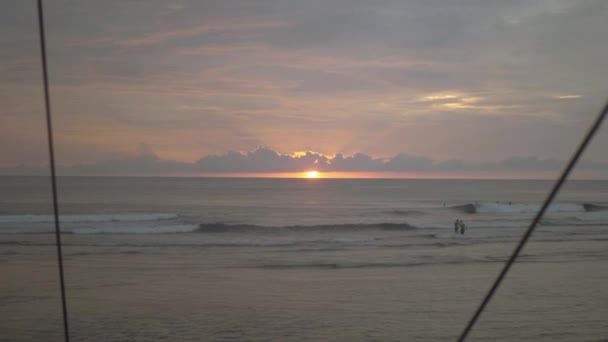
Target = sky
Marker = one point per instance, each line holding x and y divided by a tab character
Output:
438	88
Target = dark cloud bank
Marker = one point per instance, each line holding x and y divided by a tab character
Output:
265	160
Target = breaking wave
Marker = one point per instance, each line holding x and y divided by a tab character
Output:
136	230
523	208
594	207
130	217
131	224
406	212
593	218
126	223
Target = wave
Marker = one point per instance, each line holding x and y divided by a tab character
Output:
139	229
248	243
129	217
152	227
165	224
406	212
223	227
593	218
594	207
136	230
465	208
477	224
349	265
523	208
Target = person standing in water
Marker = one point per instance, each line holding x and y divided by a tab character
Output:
462	228
456	225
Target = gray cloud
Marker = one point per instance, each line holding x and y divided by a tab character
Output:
265	160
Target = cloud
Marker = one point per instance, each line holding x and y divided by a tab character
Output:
266	160
462	80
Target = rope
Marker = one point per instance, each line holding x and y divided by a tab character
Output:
47	104
556	187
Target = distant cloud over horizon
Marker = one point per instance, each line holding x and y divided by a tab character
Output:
266	160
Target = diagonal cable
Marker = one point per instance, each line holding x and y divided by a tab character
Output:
47	104
556	187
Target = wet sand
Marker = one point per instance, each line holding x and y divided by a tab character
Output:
129	293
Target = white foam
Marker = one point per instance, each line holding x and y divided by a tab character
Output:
131	217
594	216
136	229
586	219
434	225
505	208
27	230
111	229
478	224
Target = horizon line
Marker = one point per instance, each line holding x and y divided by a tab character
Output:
291	175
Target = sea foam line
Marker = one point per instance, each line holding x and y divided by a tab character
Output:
129	217
523	208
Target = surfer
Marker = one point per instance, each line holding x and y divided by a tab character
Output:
456	225
462	228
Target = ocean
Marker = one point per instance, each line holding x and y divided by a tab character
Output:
260	259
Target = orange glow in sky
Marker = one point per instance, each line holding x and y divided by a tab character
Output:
365	175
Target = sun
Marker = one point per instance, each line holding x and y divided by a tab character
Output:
312	174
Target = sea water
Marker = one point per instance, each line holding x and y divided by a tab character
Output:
301	259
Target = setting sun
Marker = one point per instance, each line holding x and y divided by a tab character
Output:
312	174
